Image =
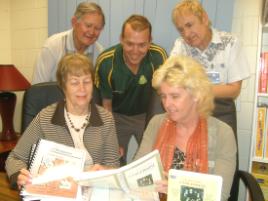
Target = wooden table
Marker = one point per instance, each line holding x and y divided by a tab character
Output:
5	148
6	193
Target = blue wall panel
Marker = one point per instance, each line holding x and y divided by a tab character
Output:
211	8
224	19
70	9
105	36
164	32
62	15
157	11
53	17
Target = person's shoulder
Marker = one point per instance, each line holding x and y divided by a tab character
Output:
157	49
217	125
179	42
158	118
225	37
109	51
107	54
103	111
105	115
51	107
56	38
99	46
179	47
48	111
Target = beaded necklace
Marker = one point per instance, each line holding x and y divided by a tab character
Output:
72	124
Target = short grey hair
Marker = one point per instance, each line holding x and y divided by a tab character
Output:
87	8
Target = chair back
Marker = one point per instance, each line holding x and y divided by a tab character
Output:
40	95
37	97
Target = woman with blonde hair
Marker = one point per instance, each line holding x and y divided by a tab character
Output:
186	136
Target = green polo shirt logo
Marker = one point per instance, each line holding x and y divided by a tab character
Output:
142	80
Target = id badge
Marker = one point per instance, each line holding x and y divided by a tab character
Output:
214	77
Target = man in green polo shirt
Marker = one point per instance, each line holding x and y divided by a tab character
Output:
123	77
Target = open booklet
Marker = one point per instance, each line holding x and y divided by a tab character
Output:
57	172
185	185
53	166
136	177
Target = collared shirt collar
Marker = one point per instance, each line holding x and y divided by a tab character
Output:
120	59
58	116
216	40
215	37
70	44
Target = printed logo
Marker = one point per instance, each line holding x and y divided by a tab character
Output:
142	80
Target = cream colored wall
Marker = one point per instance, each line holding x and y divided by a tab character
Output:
23	33
5	35
5	41
246	26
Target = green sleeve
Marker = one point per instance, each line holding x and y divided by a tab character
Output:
103	69
159	55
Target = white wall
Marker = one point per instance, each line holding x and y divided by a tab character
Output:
23	30
246	25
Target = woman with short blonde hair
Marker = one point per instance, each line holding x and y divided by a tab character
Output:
186	136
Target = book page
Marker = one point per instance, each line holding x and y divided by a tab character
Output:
101	179
138	175
185	185
52	168
142	173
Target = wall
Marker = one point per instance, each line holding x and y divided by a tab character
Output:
22	33
246	26
5	35
5	48
157	11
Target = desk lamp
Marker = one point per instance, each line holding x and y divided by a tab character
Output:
10	80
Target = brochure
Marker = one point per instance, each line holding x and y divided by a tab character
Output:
53	166
192	186
138	176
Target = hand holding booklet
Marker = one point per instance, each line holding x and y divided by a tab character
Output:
52	167
57	172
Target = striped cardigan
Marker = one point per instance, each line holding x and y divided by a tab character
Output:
99	138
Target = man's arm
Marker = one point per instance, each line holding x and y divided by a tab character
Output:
102	74
107	104
230	90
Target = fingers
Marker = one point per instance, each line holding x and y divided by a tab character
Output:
24	178
97	167
161	186
121	151
165	175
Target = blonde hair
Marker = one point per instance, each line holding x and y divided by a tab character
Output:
73	64
87	8
192	6
185	72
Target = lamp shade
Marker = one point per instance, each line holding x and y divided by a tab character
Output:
11	79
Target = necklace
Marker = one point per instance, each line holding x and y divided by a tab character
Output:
72	124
